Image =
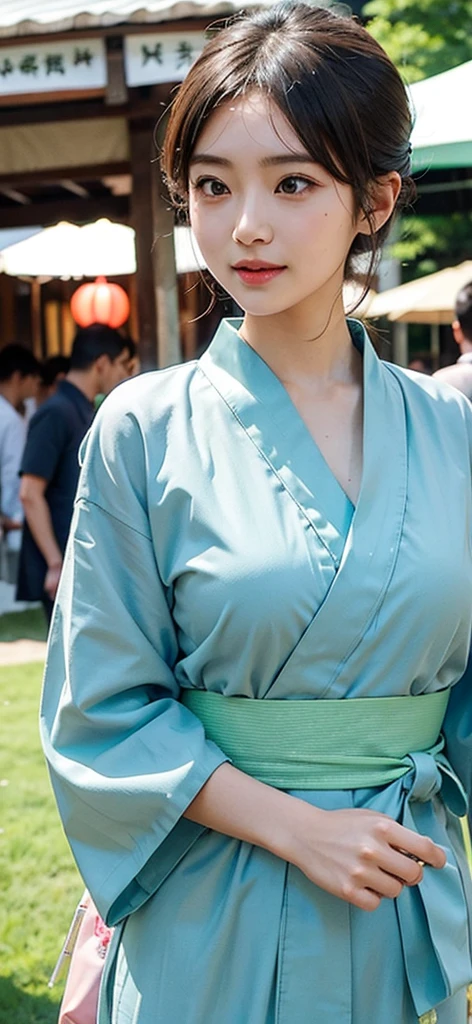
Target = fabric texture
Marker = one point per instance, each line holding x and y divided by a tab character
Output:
319	744
212	548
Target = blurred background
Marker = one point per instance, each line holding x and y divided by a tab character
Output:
81	89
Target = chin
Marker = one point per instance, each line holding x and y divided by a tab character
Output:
258	304
263	307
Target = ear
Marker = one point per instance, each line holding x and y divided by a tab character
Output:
101	362
457	332
385	192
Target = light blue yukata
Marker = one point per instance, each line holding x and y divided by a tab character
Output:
212	547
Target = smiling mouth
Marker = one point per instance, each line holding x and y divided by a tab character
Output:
257	272
254	265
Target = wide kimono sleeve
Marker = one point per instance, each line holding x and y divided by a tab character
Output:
458	732
457	727
125	757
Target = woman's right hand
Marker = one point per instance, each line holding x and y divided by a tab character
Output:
355	854
360	855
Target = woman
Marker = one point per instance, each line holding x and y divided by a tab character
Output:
257	537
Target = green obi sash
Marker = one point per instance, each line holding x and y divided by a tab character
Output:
322	744
363	743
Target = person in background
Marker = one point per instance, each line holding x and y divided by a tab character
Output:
19	378
50	468
134	363
53	370
133	367
460	373
421	364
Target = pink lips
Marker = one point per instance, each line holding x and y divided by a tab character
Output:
257	272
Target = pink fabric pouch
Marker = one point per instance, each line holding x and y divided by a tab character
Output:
85	947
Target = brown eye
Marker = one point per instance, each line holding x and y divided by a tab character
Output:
211	187
294	185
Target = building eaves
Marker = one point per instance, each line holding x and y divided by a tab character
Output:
20	18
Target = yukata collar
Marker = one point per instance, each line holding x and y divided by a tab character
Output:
365	538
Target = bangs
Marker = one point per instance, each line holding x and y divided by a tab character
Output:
307	87
334	84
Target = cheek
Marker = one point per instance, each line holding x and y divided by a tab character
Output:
211	227
192	208
331	228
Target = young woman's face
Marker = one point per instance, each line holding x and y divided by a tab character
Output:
273	226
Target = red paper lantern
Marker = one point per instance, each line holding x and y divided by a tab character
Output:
100	303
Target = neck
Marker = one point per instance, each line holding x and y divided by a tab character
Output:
84	381
10	392
465	346
302	343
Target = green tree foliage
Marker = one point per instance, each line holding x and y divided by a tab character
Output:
423	37
427	244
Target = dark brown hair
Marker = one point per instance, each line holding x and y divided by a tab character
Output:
330	79
463	310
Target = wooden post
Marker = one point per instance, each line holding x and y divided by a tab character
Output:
435	345
165	269
165	277
7	310
400	343
153	220
36	330
141	148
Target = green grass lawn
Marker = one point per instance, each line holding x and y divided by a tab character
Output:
29	625
39	884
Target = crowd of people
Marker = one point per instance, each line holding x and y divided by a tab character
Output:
45	411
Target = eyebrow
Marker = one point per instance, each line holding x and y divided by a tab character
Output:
267	161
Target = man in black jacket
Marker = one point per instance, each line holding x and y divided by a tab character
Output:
50	467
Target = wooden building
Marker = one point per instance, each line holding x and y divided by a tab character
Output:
83	86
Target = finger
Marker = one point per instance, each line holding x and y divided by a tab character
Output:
422	847
398	864
430	854
369	876
385	885
365	899
419	878
369	900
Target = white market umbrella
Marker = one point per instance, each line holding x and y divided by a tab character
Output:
67	250
107	249
428	300
53	252
442	134
103	248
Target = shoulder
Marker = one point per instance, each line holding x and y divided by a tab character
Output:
49	412
434	392
138	405
459	375
133	426
10	419
436	407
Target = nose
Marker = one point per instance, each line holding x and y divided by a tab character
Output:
252	224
